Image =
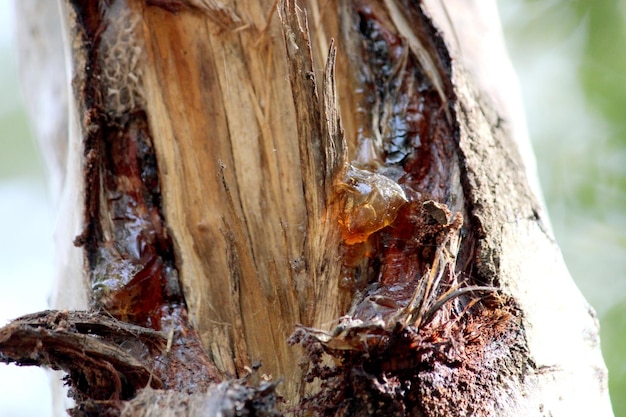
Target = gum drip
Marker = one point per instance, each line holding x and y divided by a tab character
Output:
402	160
368	203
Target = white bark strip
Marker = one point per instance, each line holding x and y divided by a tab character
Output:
560	326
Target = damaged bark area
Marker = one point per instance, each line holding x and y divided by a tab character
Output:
88	346
137	338
129	255
115	368
289	209
426	334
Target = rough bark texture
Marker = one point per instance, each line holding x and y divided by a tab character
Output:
244	181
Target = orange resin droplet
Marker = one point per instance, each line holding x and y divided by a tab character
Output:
368	202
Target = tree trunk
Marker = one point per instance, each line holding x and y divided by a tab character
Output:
330	202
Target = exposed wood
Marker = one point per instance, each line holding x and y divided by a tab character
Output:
224	205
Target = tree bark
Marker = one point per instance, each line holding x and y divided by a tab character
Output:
333	202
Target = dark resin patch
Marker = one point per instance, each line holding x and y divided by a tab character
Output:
423	329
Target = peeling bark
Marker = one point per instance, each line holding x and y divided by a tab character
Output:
112	365
335	176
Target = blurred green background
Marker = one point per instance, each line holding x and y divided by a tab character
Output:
570	56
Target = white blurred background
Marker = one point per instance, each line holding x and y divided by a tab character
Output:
578	139
26	224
